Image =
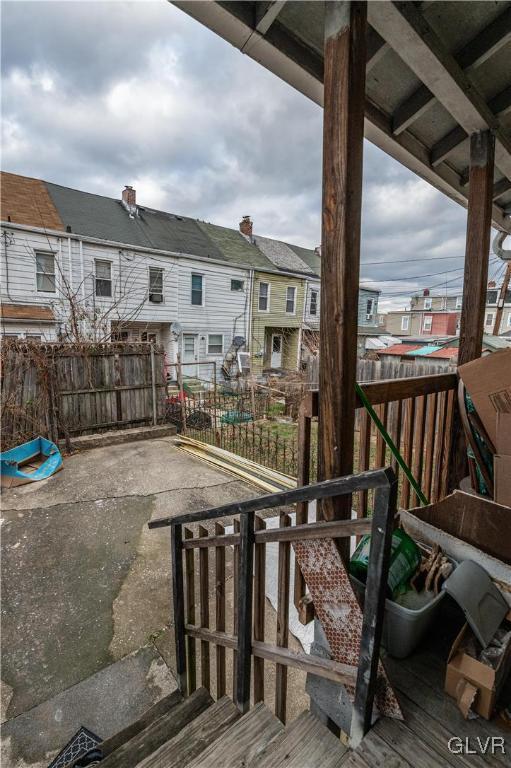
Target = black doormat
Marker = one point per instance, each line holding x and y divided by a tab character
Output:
82	741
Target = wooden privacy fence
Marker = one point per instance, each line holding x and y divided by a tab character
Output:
247	635
376	370
60	390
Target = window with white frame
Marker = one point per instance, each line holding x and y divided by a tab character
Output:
290	300
489	318
237	285
264	297
405	322
215	344
428	303
459	300
103	277
156	285
427	322
197	290
509	320
45	272
369	309
313	308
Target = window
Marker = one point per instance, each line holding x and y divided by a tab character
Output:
459	300
155	285
427	322
492	296
509	320
489	318
30	337
150	337
103	278
427	303
313	309
264	297
290	300
215	344
237	285
405	322
119	336
197	290
369	309
45	272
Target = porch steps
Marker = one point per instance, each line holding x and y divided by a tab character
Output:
198	733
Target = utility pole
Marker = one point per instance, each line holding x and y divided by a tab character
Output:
502	299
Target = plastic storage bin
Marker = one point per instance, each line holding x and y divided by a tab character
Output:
403	628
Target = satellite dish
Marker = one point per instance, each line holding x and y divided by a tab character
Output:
177	329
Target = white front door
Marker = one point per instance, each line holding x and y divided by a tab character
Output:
190	347
276	350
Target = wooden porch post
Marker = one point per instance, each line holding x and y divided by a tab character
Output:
475	279
477	249
343	135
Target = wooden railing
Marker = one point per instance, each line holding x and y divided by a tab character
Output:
247	638
418	414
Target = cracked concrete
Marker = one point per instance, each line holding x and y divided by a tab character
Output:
84	580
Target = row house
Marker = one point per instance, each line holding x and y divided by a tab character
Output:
76	264
493	302
429	315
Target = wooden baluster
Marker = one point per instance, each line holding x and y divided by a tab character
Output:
431	436
245	589
282	621
408	450
418	453
220	611
438	446
259	608
176	548
235	587
364	448
304	608
190	613
397	425
204	608
448	442
381	446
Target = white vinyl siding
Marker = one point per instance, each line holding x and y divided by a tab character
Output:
45	272
215	344
197	294
103	272
290	300
264	297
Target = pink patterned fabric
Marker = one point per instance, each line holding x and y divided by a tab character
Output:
338	611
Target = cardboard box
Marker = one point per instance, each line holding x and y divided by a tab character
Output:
488	382
503	438
473	684
502	479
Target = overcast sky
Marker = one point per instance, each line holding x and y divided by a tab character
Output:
97	95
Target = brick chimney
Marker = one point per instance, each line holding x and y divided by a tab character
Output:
317	251
425	292
129	200
246	227
492	284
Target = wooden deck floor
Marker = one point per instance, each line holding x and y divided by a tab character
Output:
431	719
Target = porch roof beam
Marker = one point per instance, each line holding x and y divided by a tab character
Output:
418	45
265	19
472	55
500	105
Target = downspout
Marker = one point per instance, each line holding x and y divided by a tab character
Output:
82	271
6	266
70	260
248	334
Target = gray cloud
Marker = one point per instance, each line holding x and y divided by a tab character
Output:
100	94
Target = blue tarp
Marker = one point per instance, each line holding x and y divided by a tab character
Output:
423	351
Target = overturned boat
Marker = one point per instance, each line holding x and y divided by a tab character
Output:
32	461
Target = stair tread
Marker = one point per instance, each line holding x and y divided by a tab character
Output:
159	731
305	743
242	742
195	737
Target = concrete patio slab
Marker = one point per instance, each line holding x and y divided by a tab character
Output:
105	703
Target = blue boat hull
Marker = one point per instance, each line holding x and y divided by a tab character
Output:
12	461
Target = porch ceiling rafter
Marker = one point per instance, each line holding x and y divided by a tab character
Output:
418	45
472	55
288	49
